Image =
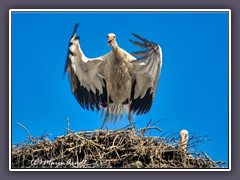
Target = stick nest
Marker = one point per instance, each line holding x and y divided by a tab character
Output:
123	148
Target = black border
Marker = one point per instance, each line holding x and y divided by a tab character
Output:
169	4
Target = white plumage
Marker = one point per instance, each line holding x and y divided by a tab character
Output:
183	140
117	80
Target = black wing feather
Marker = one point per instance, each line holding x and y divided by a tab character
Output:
86	98
152	52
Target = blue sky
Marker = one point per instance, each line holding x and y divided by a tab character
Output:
192	92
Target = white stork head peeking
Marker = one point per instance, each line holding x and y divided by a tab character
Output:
183	139
117	81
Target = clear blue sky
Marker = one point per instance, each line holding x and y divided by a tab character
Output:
192	92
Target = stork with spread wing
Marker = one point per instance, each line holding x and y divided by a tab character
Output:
115	82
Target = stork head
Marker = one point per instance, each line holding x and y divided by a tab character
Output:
183	140
111	39
183	136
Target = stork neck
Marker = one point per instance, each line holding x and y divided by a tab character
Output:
115	46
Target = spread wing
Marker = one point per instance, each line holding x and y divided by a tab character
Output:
146	72
86	76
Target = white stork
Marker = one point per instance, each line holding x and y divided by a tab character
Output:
183	140
117	80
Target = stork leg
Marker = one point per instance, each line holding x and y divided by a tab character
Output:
130	120
129	114
107	113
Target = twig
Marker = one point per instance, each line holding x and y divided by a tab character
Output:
98	145
209	159
29	135
149	122
159	121
192	137
68	125
144	130
128	126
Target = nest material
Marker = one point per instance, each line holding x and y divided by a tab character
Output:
106	149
